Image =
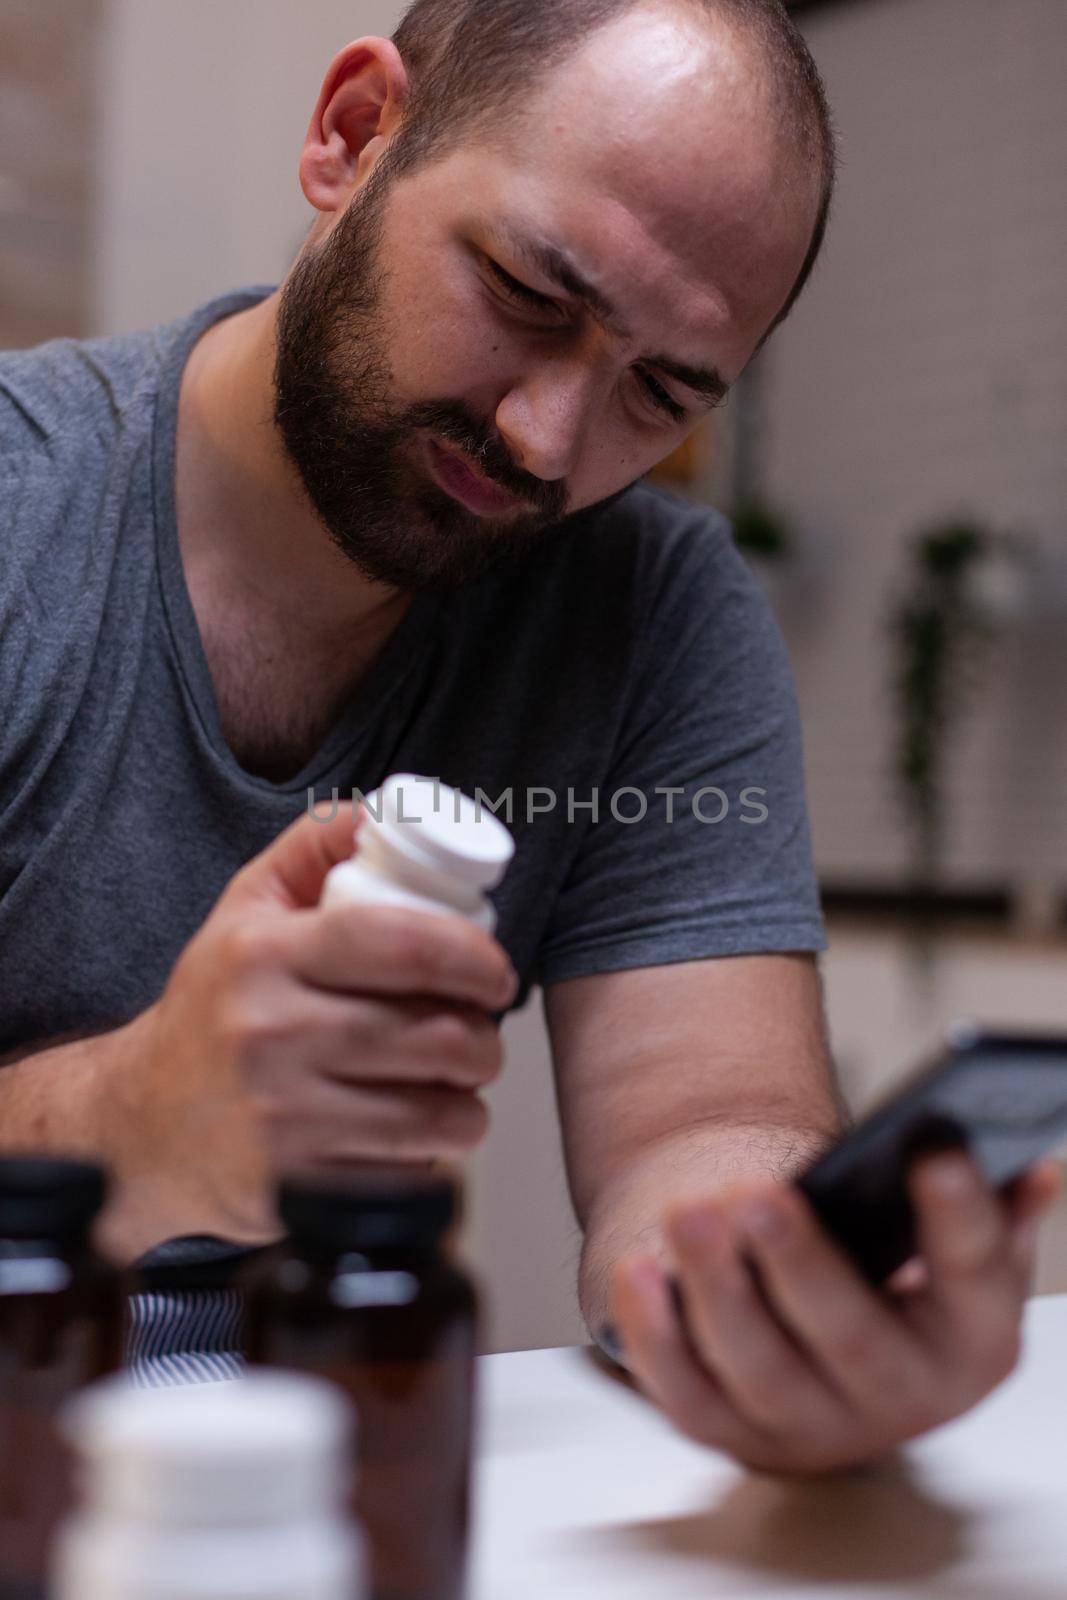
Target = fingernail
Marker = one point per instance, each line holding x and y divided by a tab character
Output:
608	1339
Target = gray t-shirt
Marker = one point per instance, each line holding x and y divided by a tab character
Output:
632	652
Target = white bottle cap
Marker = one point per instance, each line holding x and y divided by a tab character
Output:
429	822
264	1447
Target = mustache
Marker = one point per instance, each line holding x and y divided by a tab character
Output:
453	421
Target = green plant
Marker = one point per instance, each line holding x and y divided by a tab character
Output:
938	632
760	531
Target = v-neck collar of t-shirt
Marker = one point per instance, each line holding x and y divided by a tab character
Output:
402	652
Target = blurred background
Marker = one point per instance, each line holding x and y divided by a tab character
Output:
894	461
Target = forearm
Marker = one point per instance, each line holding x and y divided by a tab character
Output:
74	1099
53	1097
627	1213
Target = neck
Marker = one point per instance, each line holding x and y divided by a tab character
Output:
244	519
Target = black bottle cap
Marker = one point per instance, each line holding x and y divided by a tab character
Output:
367	1211
44	1198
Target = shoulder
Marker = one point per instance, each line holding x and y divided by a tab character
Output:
63	408
641	607
646	534
653	553
678	575
630	554
644	576
706	648
69	410
687	551
63	401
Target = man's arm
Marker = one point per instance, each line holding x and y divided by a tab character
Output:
290	1036
688	1093
64	1099
84	1096
679	1079
50	1095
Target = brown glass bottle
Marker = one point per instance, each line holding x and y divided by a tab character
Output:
364	1293
60	1328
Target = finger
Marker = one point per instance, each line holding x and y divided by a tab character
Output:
292	869
846	1327
760	1369
661	1359
340	1124
975	1295
384	950
910	1278
402	1040
1039	1187
1028	1201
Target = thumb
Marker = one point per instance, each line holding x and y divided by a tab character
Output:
1029	1198
291	871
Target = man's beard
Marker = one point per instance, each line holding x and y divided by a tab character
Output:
356	456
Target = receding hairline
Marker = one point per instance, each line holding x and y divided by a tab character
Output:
475	65
802	111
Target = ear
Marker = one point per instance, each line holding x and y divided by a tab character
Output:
359	109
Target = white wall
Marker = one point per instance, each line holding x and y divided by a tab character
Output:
921	376
204	106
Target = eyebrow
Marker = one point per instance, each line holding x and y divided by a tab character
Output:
552	261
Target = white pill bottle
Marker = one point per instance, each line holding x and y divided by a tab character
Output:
425	847
235	1490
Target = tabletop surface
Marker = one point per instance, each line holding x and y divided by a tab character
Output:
584	1490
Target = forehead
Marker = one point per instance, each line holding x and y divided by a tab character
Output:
654	155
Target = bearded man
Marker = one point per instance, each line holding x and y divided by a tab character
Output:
388	516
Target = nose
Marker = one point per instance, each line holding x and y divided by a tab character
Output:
544	418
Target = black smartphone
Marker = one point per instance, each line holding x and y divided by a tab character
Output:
1002	1097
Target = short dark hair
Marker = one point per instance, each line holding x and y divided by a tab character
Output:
472	63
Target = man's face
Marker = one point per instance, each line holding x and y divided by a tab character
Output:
522	312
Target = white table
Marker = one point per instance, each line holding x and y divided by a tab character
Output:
583	1491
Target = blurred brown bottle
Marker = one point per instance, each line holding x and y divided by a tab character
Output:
60	1328
366	1294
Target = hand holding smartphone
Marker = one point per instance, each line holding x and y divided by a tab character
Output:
1000	1097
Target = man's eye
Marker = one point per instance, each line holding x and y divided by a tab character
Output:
661	399
521	293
